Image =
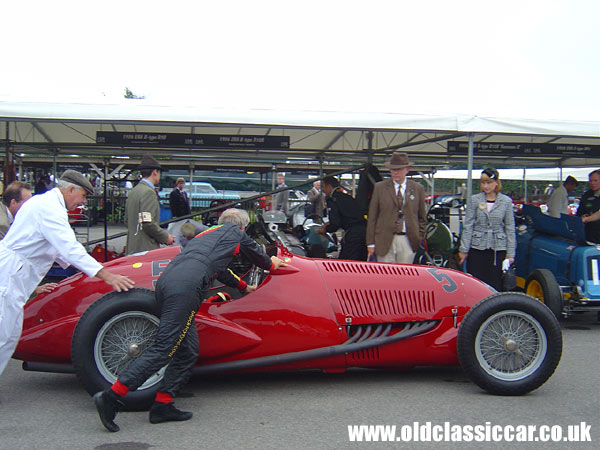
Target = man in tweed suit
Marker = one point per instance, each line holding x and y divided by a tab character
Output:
143	211
397	216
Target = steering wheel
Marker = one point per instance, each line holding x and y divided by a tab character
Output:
264	229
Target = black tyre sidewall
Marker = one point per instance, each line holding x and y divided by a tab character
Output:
86	331
553	297
471	324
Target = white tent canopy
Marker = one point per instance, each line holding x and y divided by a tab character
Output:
34	131
137	111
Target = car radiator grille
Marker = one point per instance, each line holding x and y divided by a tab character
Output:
382	303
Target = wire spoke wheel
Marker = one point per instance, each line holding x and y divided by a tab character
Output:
123	339
510	345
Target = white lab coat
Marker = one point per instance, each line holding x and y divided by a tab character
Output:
39	235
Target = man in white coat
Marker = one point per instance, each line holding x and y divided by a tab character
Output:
40	235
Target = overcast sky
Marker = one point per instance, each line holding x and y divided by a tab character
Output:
521	59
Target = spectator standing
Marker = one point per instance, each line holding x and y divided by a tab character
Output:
42	184
589	207
280	202
344	212
488	239
315	199
548	191
178	199
559	200
462	192
396	220
143	211
16	193
40	235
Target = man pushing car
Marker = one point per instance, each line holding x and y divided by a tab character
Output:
179	292
40	235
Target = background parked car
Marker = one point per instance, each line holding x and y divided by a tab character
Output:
201	195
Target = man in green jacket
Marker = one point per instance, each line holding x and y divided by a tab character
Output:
143	211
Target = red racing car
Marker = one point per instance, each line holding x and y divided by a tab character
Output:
315	313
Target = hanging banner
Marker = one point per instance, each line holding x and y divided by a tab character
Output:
523	149
192	140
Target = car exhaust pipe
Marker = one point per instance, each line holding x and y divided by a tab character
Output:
357	342
47	367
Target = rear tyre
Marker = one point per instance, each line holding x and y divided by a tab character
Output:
111	333
509	344
542	285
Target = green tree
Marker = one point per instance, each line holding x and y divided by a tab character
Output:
130	94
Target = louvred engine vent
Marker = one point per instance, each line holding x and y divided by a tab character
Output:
385	304
369	268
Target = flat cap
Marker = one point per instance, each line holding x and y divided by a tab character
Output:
148	162
74	177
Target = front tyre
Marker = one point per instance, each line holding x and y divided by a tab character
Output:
509	344
111	333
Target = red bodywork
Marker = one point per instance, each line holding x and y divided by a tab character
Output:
311	304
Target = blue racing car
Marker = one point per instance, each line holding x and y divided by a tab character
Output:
556	264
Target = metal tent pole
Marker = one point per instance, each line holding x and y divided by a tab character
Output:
54	174
470	167
321	201
105	212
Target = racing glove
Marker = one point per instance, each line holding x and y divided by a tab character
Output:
219	297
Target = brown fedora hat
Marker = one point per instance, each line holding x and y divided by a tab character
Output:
398	161
148	162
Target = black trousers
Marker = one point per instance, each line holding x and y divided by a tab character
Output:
176	342
487	266
354	244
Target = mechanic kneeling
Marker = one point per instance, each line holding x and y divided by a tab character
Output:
179	291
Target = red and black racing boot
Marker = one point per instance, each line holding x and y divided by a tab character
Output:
166	412
163	410
108	404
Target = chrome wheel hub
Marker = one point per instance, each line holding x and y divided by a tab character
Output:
510	345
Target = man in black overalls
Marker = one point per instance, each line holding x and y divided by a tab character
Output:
179	291
344	212
589	207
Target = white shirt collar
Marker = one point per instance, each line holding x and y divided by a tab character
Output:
8	213
401	186
148	182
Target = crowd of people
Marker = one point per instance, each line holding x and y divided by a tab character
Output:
35	233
